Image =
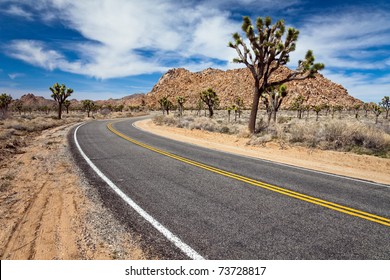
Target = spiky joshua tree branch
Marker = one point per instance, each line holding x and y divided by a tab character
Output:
269	49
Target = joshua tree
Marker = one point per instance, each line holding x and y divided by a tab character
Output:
239	103
273	98
234	108
377	110
5	100
18	106
119	108
210	98
180	101
166	105
67	105
339	108
199	107
326	108
60	94
298	106
356	108
229	110
385	103
268	52
317	109
88	106
366	108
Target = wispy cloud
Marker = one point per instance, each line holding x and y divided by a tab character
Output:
13	76
35	53
125	38
365	86
350	39
354	45
18	11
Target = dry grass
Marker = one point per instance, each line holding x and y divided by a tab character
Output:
14	130
344	133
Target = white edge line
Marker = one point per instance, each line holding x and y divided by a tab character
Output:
270	161
191	253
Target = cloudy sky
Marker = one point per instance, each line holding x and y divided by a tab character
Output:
112	48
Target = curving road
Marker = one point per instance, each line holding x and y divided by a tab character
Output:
201	203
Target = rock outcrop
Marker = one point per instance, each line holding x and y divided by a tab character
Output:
239	83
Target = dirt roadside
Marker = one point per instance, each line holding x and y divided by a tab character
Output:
48	210
346	164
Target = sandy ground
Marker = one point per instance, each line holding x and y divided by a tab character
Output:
48	211
347	164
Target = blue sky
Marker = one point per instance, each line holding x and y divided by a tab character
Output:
112	48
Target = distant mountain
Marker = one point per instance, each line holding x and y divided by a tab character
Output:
239	83
35	102
38	102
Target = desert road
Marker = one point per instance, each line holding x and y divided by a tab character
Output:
193	203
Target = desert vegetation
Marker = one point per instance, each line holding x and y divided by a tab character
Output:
311	128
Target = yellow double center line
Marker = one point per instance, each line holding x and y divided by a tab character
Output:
297	195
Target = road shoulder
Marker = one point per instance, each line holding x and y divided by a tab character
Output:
362	167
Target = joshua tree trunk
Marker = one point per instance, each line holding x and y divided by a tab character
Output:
255	107
59	110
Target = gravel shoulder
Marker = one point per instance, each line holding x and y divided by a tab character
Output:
363	167
49	211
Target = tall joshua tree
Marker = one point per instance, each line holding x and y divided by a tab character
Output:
377	110
165	104
5	101
385	103
88	106
210	98
273	98
60	94
67	105
180	101
269	49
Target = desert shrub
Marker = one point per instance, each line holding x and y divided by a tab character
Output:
340	135
37	123
224	129
261	125
204	123
158	120
6	133
283	119
165	120
105	111
243	132
260	139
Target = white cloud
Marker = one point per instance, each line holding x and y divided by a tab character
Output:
13	76
346	39
19	12
35	53
365	87
126	38
354	45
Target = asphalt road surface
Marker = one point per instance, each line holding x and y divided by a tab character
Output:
215	205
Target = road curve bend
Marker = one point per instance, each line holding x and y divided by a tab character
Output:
196	203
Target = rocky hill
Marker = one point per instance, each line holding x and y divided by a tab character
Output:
31	101
38	102
239	83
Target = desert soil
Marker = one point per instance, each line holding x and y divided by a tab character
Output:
48	210
346	164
